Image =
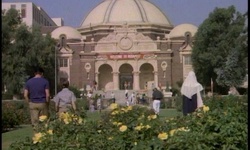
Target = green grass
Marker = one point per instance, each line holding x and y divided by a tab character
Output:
16	135
26	130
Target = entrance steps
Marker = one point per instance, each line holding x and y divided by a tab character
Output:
120	94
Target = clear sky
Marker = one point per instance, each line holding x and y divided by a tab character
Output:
178	11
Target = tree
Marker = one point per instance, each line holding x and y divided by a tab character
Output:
220	49
24	48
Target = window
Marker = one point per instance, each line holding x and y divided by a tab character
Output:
187	60
63	62
13	6
23	10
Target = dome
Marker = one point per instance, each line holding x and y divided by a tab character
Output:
125	11
70	32
180	30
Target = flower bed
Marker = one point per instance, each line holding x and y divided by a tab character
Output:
220	124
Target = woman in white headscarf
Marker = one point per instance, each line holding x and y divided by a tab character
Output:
191	93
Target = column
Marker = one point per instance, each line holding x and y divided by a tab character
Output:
156	78
116	80
96	79
136	85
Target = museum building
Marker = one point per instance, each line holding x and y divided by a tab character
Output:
124	44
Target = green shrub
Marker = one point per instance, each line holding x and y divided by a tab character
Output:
220	124
7	96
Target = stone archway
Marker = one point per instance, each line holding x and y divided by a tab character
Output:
105	77
126	77
146	75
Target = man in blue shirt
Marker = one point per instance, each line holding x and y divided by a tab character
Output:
36	93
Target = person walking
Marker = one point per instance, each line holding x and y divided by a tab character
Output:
157	97
99	103
36	94
65	99
113	97
191	94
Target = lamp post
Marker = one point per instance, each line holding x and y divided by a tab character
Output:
55	70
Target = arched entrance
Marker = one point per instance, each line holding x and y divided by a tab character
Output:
105	77
146	76
126	77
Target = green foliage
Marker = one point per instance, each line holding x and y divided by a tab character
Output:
75	90
218	38
23	49
220	124
14	113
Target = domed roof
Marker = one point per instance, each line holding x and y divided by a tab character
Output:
180	30
70	32
125	11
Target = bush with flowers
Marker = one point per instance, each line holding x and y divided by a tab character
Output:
220	124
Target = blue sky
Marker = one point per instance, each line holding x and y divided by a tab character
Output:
178	11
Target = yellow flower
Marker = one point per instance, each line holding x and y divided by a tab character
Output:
129	108
113	106
99	131
183	129
119	123
199	114
123	128
114	112
42	118
80	120
138	128
152	117
37	138
50	132
163	136
148	126
135	143
205	108
66	121
114	123
171	132
110	138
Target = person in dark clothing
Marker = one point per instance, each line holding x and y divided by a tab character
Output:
157	97
36	94
191	94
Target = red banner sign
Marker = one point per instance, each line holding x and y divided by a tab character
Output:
125	56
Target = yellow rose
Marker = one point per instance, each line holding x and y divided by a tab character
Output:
42	118
114	123
114	112
153	116
163	136
50	132
129	108
138	128
123	128
80	120
113	106
205	108
66	121
148	126
37	138
171	132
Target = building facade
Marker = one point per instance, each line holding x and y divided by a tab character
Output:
30	13
124	45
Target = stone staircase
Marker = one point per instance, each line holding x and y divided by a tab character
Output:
120	94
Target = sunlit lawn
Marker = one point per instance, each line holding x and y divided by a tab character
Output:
26	130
